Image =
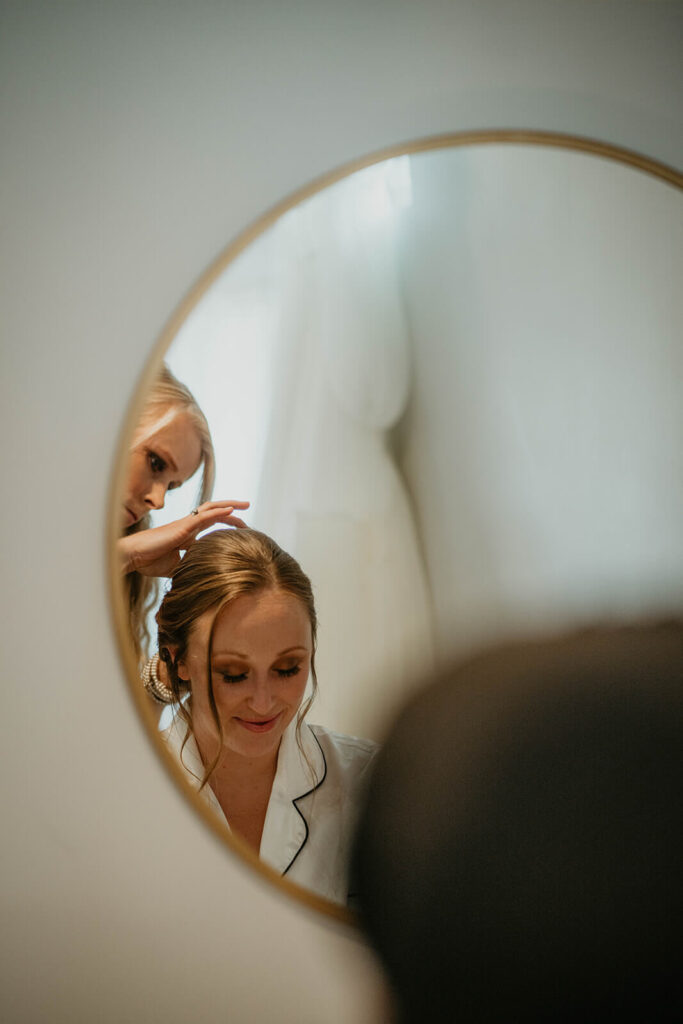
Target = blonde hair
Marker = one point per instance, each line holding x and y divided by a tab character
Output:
166	393
217	569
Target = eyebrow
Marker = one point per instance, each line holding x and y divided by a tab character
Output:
238	654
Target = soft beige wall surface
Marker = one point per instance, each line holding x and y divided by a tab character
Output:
137	139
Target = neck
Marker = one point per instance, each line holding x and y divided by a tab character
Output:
242	786
239	770
233	767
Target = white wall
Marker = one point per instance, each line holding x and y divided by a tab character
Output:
137	139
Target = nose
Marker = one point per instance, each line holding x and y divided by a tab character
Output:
156	495
261	697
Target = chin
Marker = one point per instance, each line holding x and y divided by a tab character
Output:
250	744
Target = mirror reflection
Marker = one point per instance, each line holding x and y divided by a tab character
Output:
447	388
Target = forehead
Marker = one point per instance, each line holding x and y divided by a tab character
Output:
267	620
175	434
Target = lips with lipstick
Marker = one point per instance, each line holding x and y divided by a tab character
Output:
259	724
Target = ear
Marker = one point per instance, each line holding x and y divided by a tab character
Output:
168	654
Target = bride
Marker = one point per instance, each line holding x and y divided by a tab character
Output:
237	633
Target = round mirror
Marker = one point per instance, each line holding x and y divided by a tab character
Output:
447	380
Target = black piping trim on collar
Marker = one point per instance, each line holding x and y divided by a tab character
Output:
302	797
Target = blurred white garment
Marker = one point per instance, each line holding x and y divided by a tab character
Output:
313	804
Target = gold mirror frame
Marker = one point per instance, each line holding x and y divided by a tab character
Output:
118	605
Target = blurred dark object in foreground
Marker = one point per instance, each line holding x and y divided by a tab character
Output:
519	850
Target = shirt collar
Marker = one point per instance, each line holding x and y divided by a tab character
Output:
300	770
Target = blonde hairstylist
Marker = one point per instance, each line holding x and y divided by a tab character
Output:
171	443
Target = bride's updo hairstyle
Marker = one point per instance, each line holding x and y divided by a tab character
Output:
218	568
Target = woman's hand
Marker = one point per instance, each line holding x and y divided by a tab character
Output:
156	552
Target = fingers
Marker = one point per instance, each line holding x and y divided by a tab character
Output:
211	517
209	505
206	516
212	512
236	521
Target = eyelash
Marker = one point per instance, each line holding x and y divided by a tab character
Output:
284	673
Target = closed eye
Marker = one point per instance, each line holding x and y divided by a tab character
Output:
228	678
285	673
240	677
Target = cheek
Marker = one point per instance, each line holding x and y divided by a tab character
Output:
201	707
136	473
296	689
226	698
